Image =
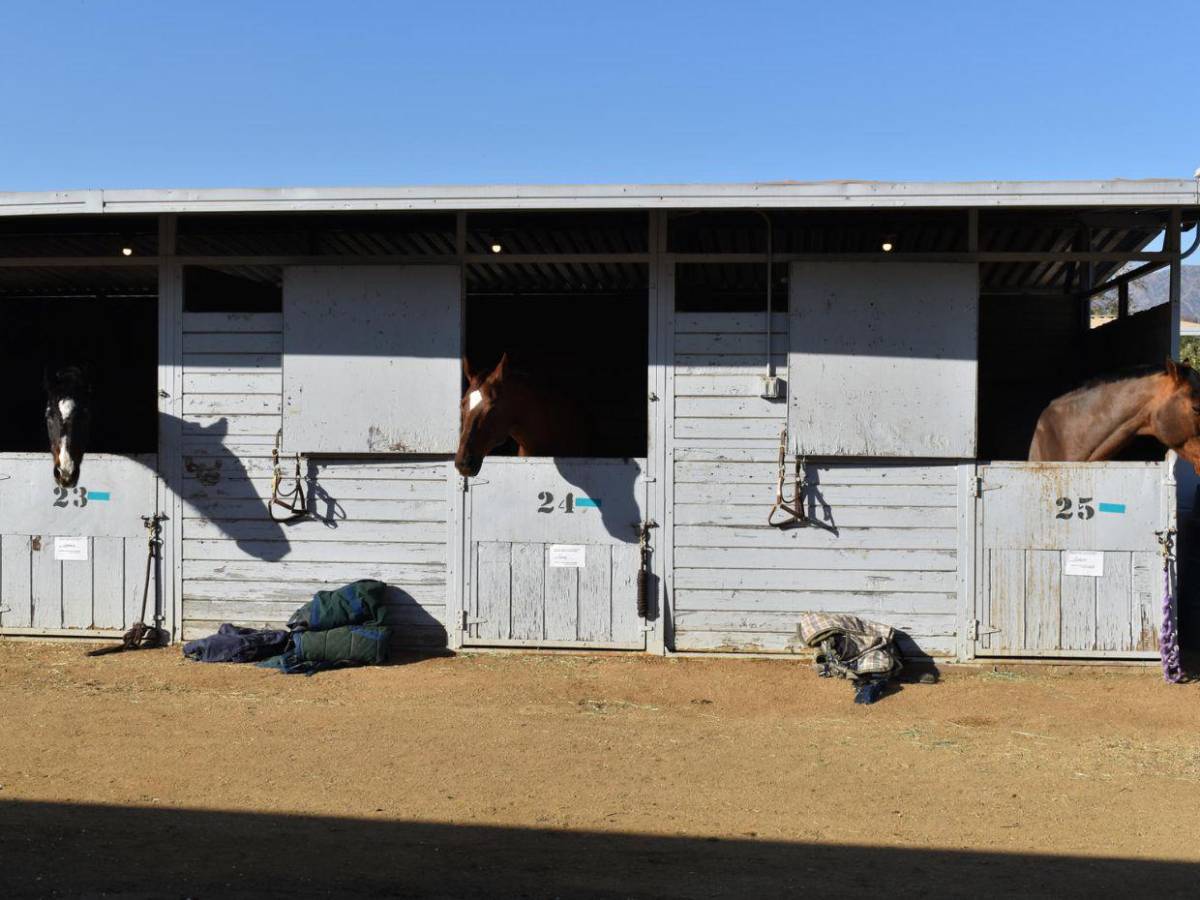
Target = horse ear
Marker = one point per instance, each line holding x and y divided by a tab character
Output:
1175	371
502	367
468	372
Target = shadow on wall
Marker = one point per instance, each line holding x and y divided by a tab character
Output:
215	481
614	485
111	849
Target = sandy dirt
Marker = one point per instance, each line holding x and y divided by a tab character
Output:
143	774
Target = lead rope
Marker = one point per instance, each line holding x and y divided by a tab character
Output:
1168	636
293	501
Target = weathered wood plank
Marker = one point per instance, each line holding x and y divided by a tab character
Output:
847	538
758	429
213	426
751	407
16	586
136	552
309	572
789	580
77	590
748	516
259	488
232	404
782	642
1147	599
728	344
108	590
747	385
1043	612
216	382
232	342
726	363
821	474
312	530
562	601
941	625
626	625
365	551
1078	612
595	595
47	587
231	322
493	589
729	323
871	605
333	510
834	495
528	591
239	592
232	362
801	559
1006	595
255	462
1114	603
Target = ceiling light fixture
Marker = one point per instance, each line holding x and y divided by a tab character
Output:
496	248
127	251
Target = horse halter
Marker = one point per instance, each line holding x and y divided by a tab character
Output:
294	500
793	506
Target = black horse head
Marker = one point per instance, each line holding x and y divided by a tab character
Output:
68	414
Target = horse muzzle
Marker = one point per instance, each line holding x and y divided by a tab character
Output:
469	466
67	479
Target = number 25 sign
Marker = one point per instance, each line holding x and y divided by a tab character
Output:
1084	509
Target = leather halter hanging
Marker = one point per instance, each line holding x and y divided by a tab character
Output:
793	506
294	500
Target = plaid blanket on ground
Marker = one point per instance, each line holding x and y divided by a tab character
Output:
849	646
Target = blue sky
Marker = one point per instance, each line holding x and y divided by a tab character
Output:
141	94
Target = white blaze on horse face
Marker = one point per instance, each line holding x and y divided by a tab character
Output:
65	464
474	399
65	408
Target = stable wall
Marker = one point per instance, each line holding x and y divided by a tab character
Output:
384	519
739	584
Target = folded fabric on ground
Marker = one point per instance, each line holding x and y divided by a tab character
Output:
342	627
234	644
854	648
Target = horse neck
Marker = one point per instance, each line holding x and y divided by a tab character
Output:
1107	408
542	417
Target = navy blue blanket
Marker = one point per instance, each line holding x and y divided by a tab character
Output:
234	644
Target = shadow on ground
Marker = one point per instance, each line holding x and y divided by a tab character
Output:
67	849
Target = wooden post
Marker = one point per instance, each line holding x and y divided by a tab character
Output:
1122	299
1171	243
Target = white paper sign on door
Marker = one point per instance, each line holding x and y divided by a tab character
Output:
566	556
71	548
1089	563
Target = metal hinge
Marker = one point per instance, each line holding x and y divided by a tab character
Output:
980	487
463	483
975	631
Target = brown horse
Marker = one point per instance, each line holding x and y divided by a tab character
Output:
508	402
1103	417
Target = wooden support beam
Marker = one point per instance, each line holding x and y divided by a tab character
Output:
1172	244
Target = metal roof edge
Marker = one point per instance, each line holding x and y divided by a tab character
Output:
778	195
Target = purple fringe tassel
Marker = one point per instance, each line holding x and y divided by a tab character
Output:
1168	640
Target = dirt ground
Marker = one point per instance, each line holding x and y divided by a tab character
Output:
143	774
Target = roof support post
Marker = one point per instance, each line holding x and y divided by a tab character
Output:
1123	300
1083	277
1171	243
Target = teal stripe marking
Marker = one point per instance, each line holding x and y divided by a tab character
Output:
587	501
98	495
1112	507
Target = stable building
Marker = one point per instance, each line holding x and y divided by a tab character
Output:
875	355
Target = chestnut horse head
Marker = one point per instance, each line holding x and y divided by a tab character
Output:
508	402
68	415
1100	419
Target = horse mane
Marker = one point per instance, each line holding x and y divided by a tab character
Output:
1126	374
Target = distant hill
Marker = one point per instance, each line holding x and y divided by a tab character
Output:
1152	290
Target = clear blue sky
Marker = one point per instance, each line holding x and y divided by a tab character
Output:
214	93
